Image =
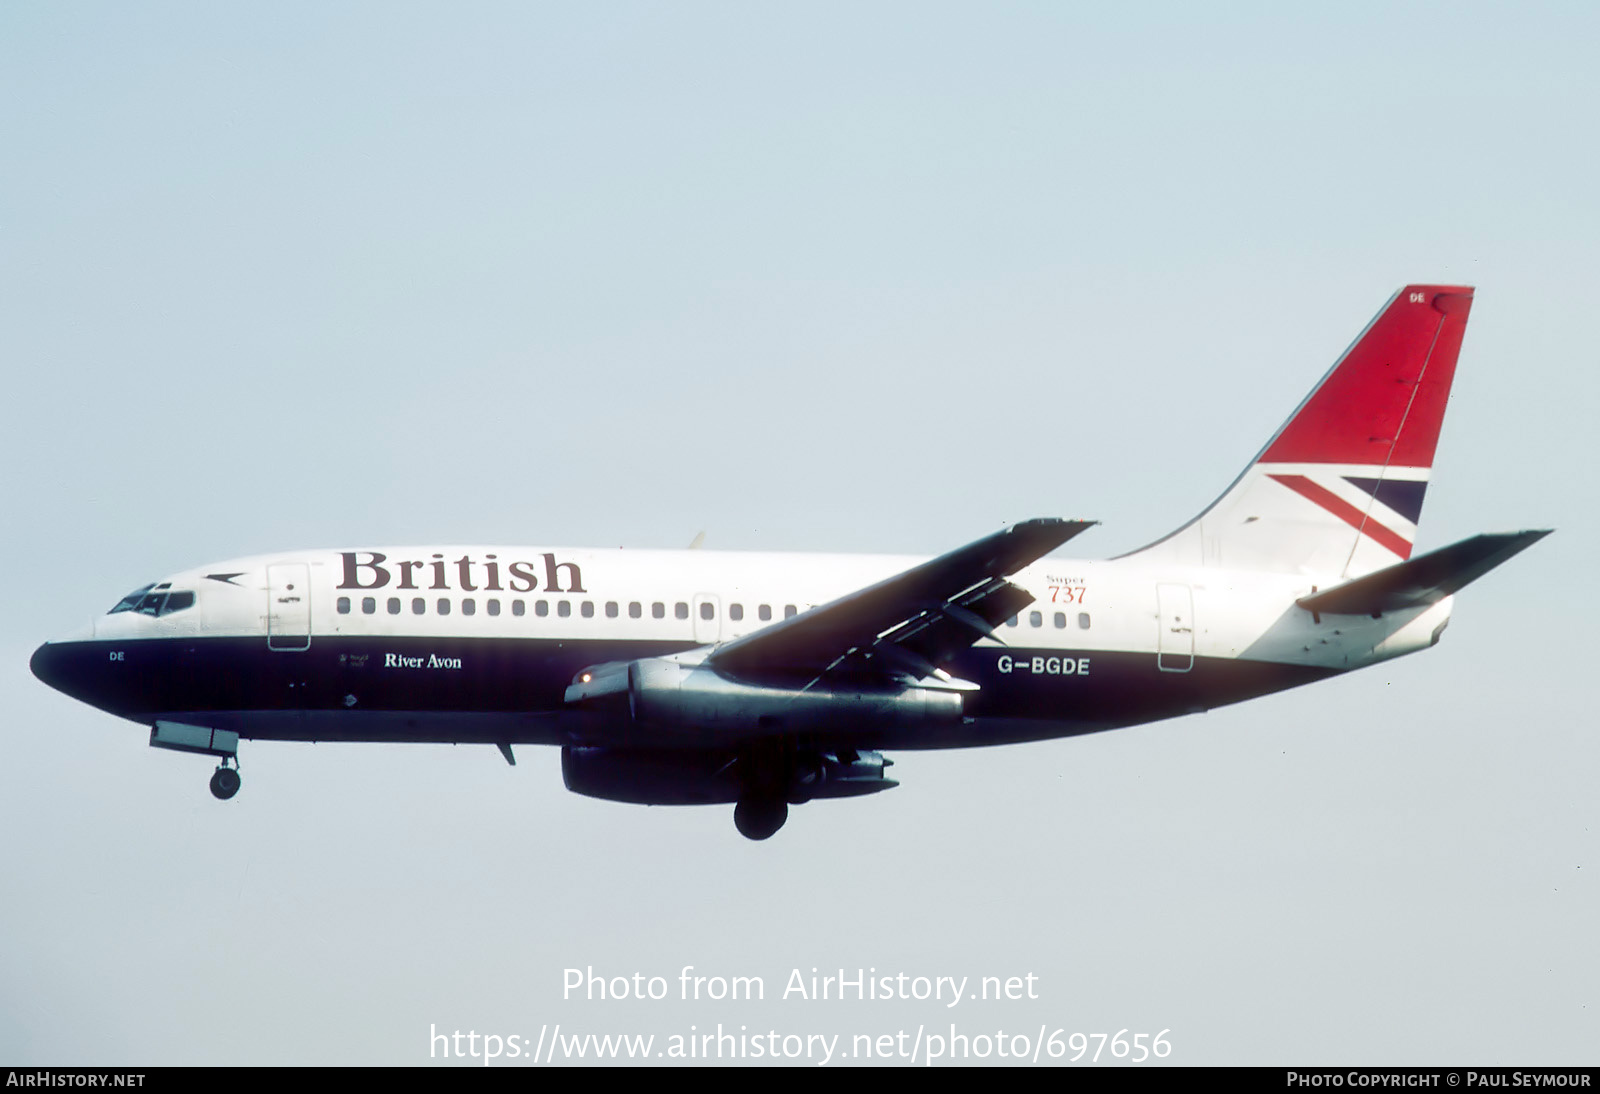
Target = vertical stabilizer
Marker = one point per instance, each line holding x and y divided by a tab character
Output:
1339	489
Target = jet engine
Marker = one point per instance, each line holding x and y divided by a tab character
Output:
695	701
682	777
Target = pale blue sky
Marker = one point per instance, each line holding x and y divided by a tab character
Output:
823	277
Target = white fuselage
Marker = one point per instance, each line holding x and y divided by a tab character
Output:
451	645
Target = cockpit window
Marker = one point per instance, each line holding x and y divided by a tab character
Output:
155	600
131	601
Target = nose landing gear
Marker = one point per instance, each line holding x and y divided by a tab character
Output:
221	743
225	780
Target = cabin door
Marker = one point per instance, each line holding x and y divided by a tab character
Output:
288	606
1175	643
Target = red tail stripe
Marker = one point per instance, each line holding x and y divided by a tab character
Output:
1384	402
1346	512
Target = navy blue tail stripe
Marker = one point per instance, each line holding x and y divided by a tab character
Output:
1404	496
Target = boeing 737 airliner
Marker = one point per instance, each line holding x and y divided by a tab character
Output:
692	677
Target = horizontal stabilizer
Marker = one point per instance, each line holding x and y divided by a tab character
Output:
1426	579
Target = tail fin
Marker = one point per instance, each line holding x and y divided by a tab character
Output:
1339	488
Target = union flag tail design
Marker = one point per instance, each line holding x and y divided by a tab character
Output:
1339	489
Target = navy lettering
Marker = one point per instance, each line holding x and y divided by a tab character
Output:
371	570
553	580
352	570
521	572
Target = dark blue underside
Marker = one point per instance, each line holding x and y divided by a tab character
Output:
513	689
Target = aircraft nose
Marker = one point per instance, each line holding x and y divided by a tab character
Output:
60	662
48	664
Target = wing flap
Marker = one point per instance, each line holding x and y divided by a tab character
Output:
913	620
937	634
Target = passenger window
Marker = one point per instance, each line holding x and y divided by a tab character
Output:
418	605
368	605
611	609
635	609
736	612
444	605
469	606
587	608
1012	622
344	605
790	610
708	610
563	608
681	610
541	608
1061	620
394	605
658	610
1035	619
1083	621
764	612
493	606
518	607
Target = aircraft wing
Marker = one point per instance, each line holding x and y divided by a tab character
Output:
905	626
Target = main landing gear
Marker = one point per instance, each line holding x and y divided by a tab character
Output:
758	816
773	775
225	780
765	770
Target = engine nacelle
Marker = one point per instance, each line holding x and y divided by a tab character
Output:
649	776
694	700
680	777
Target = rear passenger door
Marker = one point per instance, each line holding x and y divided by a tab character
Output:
1175	642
